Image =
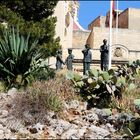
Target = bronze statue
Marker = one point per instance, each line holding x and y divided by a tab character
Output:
87	58
59	60
104	55
69	60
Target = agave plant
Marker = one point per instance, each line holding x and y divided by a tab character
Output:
19	57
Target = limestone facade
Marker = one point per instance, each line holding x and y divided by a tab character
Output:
98	22
125	45
66	13
129	18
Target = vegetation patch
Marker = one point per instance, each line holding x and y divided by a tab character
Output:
33	104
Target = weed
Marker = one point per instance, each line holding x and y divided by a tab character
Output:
33	104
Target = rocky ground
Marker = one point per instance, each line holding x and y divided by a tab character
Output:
78	122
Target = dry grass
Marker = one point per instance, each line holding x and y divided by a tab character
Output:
33	104
126	104
128	99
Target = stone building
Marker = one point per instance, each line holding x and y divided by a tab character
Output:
67	21
125	43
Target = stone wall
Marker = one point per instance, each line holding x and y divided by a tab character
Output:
102	21
123	19
129	18
128	40
98	22
94	23
80	38
63	30
60	25
134	19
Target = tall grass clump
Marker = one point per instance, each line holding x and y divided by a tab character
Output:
40	98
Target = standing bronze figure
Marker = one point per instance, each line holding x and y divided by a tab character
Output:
59	60
69	60
87	58
104	55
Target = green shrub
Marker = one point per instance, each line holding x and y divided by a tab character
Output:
44	74
19	58
98	87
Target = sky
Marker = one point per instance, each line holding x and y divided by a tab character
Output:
89	10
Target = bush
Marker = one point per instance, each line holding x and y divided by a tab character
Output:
100	87
41	97
19	58
44	74
126	104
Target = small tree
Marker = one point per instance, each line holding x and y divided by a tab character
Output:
34	17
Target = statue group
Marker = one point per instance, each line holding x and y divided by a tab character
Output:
87	58
68	60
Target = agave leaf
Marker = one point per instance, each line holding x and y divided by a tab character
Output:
26	43
33	46
6	70
137	137
17	44
13	40
22	45
3	47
